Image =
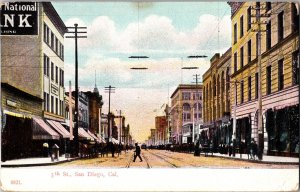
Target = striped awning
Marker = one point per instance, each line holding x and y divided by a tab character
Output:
59	128
94	136
40	130
83	134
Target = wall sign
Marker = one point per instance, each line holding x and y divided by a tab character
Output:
54	89
19	18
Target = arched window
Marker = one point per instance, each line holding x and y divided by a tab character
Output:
214	86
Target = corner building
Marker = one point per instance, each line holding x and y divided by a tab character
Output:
32	76
279	74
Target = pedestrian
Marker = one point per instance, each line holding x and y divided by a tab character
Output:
112	147
137	152
46	149
126	148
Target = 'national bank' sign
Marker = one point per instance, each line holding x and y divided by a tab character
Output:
19	18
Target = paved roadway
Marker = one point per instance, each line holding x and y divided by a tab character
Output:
167	159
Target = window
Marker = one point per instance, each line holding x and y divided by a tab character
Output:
256	45
248	18
256	85
269	80
56	106
52	71
295	17
48	102
241	26
45	101
235	33
52	104
242	92
45	33
52	40
62	52
249	88
268	6
235	62
280	75
56	74
186	96
56	45
62	79
249	51
242	57
268	36
280	26
46	65
295	69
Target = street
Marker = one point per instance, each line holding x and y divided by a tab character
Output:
168	159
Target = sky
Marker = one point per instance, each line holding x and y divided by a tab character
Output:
166	32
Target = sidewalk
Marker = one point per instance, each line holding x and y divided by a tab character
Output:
38	161
266	159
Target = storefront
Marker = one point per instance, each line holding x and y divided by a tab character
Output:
243	133
282	126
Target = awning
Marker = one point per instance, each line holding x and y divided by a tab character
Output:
40	130
83	134
59	128
94	137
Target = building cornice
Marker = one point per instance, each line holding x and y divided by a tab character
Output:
186	86
54	17
235	6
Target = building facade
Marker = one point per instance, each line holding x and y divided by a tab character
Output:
186	111
161	129
279	75
28	93
216	101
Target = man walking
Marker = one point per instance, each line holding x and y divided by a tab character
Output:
137	152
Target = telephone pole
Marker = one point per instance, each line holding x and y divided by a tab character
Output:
197	100
260	128
75	144
109	90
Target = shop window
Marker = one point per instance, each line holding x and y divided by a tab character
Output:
269	80
295	69
280	75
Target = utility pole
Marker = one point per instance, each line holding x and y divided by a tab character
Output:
75	144
258	16
197	100
109	90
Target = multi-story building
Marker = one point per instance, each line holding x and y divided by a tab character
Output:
216	101
32	80
186	112
279	53
95	109
161	129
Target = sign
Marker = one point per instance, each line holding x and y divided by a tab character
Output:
19	18
54	89
11	103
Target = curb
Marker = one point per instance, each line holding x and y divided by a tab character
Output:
39	164
258	161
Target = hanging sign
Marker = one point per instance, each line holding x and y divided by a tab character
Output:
19	18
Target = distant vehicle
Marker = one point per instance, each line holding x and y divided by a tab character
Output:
144	146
